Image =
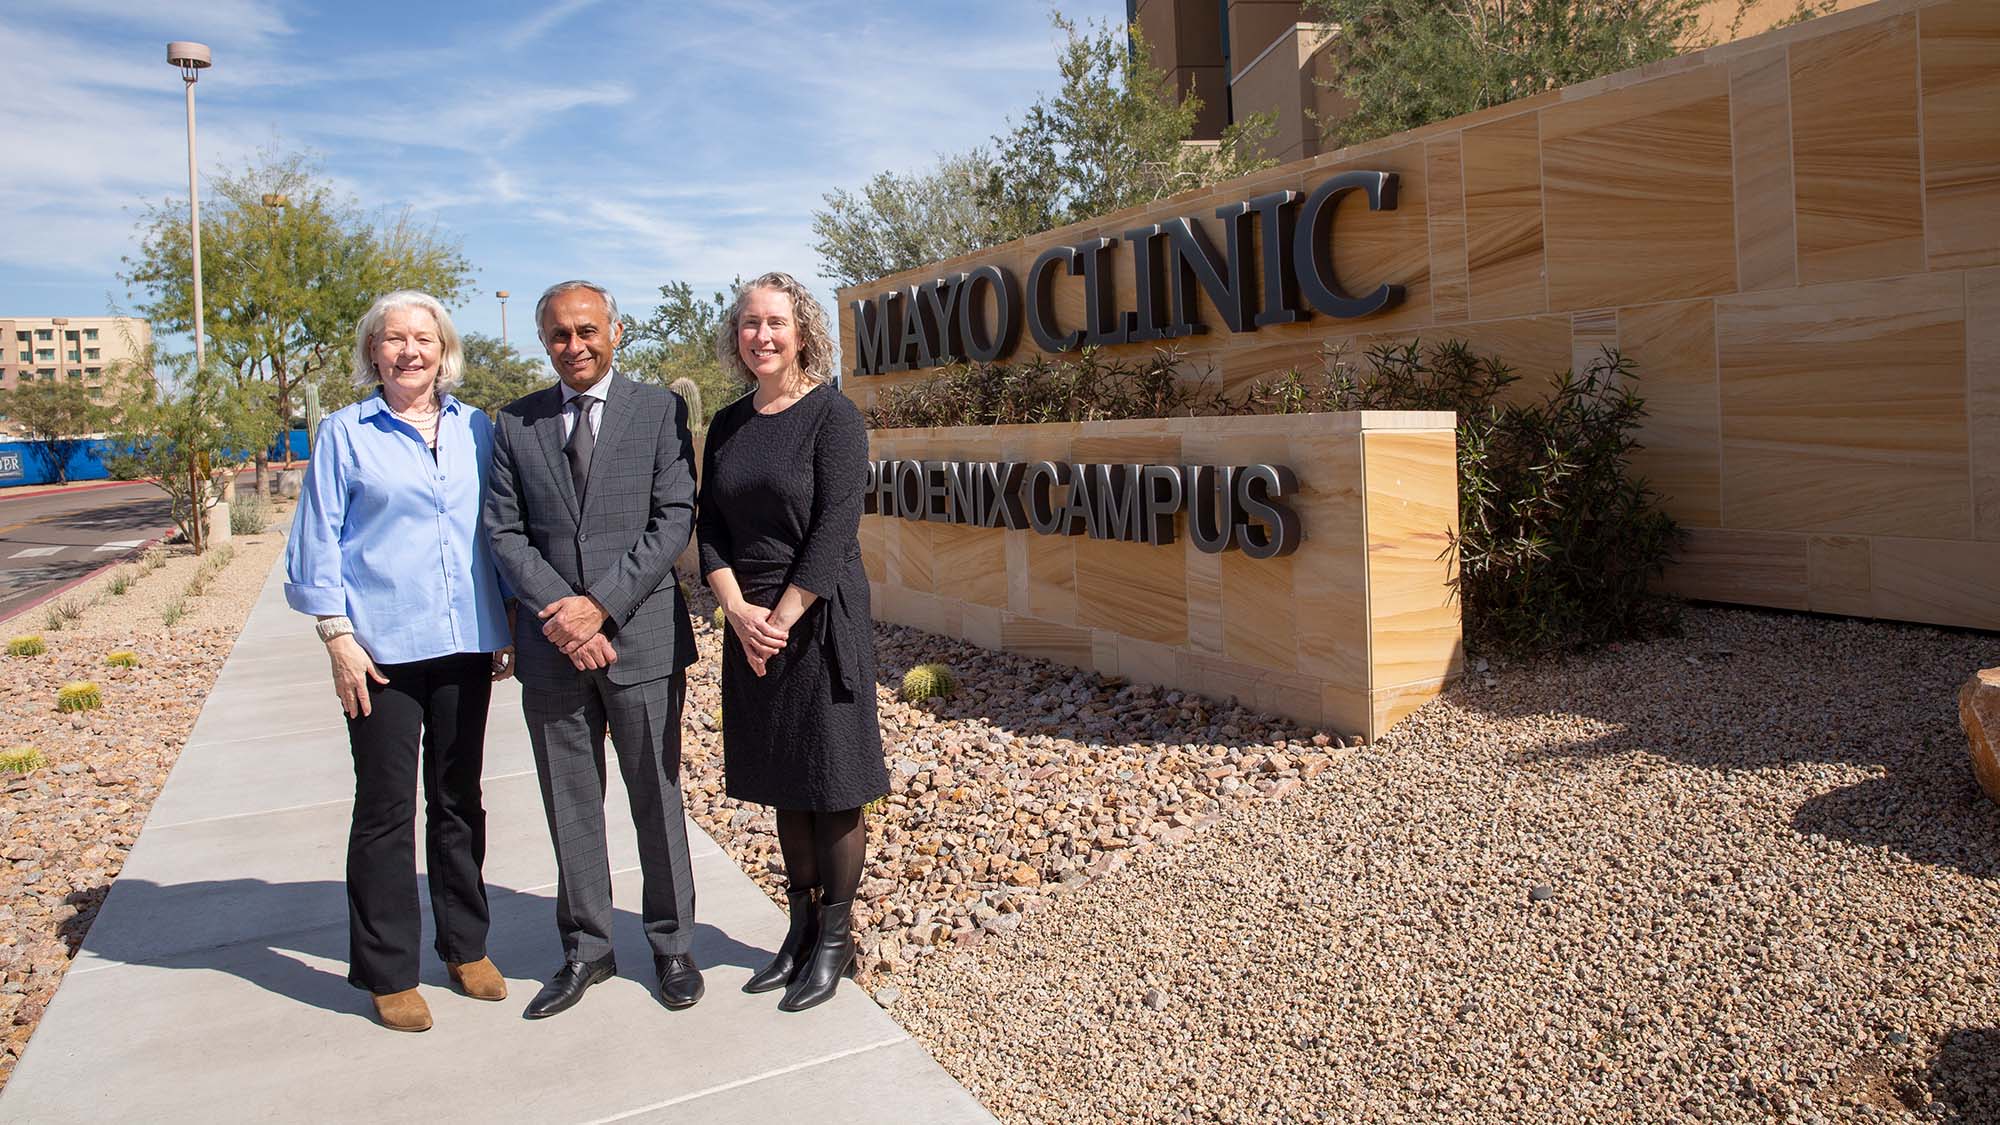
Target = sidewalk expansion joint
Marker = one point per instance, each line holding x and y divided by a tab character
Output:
725	1087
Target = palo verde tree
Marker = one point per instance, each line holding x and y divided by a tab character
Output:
678	342
184	434
1112	135
496	374
288	267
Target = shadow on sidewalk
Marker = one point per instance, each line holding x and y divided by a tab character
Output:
146	916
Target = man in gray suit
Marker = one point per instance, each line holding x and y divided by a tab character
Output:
591	497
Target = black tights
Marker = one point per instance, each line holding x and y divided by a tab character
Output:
824	850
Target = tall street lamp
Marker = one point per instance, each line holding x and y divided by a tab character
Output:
192	59
502	294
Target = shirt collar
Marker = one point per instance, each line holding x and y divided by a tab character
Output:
600	390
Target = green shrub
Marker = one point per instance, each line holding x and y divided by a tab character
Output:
21	760
1087	388
83	695
172	612
31	645
926	680
123	658
249	515
1558	541
153	559
121	582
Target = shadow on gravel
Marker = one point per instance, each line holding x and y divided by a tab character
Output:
1962	1082
253	929
1765	690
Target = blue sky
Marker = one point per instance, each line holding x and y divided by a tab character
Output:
629	142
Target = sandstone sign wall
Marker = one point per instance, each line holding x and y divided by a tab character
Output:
1796	237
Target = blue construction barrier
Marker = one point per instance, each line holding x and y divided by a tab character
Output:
31	462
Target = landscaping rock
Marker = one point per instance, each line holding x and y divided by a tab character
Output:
1979	714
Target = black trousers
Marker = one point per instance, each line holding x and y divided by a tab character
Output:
428	721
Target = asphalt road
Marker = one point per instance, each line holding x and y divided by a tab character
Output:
53	538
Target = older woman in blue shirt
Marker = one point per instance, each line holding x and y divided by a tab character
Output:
386	552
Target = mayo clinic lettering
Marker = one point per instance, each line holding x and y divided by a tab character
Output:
945	319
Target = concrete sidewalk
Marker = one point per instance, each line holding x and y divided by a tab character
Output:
211	986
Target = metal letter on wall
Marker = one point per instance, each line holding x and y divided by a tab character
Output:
986	343
1312	252
1042	300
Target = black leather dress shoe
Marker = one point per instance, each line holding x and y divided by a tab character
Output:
567	987
680	981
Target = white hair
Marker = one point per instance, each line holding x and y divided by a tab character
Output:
561	287
451	368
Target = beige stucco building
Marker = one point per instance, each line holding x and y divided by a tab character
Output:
96	351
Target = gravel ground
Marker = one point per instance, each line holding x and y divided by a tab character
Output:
66	828
1743	875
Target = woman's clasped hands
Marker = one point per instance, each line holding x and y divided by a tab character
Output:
760	631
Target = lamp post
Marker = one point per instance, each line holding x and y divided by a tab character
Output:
192	59
502	294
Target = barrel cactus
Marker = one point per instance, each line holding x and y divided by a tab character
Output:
927	680
123	658
31	645
21	760
83	695
718	619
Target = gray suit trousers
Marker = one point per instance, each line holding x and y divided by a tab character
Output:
567	727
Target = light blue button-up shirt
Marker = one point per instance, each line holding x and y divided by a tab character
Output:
390	537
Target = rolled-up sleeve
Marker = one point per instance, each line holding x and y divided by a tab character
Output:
313	580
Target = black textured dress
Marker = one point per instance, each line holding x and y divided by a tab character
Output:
781	499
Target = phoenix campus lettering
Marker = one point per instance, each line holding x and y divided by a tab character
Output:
1228	507
948	318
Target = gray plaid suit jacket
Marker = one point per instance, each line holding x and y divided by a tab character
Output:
619	546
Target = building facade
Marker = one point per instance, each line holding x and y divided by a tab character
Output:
98	352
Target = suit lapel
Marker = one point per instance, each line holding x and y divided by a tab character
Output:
549	431
611	420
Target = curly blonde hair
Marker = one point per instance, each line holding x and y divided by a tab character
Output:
815	335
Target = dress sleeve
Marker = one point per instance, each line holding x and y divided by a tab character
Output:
313	582
711	533
840	474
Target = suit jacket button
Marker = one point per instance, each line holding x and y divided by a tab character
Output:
582	538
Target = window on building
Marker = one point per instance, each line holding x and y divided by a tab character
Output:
27	356
74	356
76	376
45	333
21	335
69	334
45	354
91	353
90	333
93	372
46	372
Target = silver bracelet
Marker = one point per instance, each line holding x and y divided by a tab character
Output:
331	627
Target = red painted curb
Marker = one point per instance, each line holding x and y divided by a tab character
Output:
24	490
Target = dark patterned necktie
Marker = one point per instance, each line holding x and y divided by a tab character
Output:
582	441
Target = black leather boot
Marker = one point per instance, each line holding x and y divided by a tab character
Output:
832	957
797	947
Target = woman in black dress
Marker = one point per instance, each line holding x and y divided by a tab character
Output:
781	492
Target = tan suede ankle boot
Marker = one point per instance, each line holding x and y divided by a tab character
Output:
403	1011
479	979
